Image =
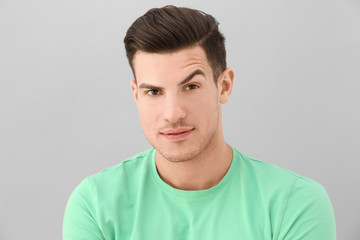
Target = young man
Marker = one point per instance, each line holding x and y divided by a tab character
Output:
192	184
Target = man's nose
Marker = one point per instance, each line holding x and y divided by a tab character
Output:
174	109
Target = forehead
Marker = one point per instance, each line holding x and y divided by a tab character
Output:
176	64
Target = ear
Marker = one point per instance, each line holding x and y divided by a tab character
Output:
134	89
225	84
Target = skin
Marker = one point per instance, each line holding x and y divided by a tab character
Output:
180	113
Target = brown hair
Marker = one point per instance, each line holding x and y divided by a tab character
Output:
171	28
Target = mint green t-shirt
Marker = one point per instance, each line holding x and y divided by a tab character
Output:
254	201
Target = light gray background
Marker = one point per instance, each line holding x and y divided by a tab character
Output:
66	109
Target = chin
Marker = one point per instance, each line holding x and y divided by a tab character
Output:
181	154
178	158
183	151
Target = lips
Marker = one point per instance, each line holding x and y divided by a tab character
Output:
176	134
175	131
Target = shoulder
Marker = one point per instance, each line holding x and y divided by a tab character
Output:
272	174
276	184
116	177
113	187
124	169
301	205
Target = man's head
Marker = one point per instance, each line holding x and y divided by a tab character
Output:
178	59
169	29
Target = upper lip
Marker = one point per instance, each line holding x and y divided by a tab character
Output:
175	130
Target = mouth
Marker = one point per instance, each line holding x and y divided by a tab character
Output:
176	134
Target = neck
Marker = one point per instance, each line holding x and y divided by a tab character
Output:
203	172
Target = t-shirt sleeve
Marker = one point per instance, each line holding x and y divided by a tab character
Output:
308	213
79	220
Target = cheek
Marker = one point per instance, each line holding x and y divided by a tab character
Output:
204	107
148	116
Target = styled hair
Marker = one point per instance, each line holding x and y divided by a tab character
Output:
170	29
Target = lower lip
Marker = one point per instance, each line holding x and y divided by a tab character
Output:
177	136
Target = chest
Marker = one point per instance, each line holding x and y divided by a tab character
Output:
219	216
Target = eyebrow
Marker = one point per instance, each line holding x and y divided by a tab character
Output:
187	79
191	76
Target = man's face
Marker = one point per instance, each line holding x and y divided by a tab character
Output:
178	102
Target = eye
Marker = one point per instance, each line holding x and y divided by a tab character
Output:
152	92
191	87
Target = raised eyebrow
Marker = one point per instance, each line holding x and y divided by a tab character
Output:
193	74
